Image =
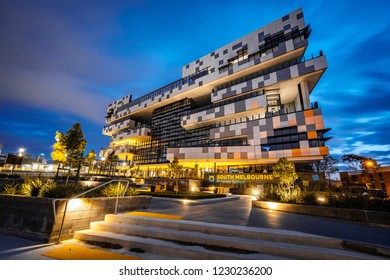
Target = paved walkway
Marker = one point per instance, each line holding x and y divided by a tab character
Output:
241	212
235	210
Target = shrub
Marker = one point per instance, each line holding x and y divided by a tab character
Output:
32	187
290	195
112	189
308	197
132	191
55	190
271	193
11	188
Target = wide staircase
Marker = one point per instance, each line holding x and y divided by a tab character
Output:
166	238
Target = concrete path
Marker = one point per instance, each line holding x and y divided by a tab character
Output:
240	212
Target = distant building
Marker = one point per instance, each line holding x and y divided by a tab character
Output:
40	158
377	179
2	159
235	110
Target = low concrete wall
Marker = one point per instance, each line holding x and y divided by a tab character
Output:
330	212
40	219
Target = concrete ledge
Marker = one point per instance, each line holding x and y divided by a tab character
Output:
376	217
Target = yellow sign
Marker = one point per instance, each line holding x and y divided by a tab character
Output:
244	177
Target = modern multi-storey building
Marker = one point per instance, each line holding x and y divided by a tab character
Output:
237	109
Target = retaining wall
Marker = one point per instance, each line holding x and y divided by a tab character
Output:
377	217
40	218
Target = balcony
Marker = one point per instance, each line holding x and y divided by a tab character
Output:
154	96
139	133
124	149
283	71
113	128
236	108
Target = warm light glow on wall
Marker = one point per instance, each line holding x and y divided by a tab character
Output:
321	200
272	205
77	204
125	142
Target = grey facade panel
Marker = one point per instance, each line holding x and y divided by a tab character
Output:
219	114
303	69
311	127
260	37
284	74
300	117
236	46
240	106
247	87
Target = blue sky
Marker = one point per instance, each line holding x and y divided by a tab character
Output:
63	62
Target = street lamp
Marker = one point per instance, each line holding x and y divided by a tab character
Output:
369	163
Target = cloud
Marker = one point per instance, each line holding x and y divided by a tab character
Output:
52	91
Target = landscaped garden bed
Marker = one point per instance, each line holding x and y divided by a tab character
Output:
34	209
334	202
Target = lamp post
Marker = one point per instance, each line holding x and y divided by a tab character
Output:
368	165
21	154
103	164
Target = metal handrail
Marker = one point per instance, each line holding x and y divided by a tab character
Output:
83	193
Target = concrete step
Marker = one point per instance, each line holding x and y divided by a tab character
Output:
264	234
265	247
168	249
185	239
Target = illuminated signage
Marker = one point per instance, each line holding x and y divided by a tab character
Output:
231	178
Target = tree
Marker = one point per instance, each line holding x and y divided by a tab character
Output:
355	162
91	157
75	146
111	162
352	161
71	146
59	154
175	168
328	165
284	170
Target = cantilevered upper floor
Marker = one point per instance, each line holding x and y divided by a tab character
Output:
260	59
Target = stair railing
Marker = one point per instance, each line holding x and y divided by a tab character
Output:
67	200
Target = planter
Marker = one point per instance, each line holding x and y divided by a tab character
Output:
40	218
330	212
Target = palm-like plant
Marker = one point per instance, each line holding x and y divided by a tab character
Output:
32	187
11	188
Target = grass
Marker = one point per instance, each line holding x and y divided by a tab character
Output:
183	195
